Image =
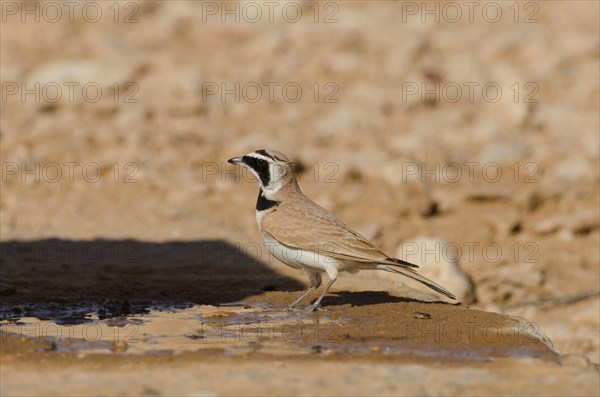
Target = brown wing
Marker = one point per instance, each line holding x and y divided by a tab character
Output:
313	228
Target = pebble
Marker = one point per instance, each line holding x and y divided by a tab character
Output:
218	314
502	153
119	346
578	222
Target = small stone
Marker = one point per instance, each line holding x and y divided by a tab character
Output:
194	336
576	361
487	193
571	171
119	346
577	222
526	274
502	153
218	314
83	73
50	346
421	315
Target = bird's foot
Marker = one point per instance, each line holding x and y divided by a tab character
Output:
317	309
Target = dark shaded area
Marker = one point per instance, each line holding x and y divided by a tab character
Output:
364	298
337	301
64	280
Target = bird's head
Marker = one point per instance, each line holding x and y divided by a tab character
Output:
272	169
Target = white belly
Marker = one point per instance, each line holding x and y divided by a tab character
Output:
300	259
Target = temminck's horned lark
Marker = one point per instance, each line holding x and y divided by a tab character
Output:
305	236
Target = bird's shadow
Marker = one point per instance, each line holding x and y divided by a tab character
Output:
365	298
64	281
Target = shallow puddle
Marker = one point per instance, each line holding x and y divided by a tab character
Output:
412	329
232	329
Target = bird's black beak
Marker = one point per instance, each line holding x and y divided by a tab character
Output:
235	160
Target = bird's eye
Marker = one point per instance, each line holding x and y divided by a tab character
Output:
262	162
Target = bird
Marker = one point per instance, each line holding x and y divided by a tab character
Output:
308	237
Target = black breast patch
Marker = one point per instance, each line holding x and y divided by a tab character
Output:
264	203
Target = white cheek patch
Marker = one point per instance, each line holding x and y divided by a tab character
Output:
276	173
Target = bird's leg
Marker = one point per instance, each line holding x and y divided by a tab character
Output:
290	307
315	282
316	304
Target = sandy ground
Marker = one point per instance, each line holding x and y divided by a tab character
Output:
119	213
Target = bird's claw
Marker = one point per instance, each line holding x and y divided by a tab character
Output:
289	308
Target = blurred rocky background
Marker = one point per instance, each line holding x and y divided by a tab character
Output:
462	136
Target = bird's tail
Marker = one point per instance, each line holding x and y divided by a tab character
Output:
416	276
400	262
